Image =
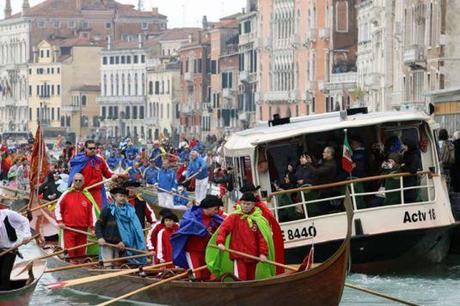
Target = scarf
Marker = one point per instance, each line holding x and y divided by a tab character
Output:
130	230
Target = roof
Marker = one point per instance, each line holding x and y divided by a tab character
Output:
134	44
444	95
78	41
179	34
68	8
241	142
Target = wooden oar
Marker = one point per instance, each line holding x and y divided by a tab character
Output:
24	242
98	184
89	264
95	278
164	281
15	190
42	206
392	298
106	244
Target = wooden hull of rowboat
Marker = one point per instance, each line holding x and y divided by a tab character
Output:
322	285
152	199
22	294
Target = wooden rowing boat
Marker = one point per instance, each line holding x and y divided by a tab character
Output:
152	200
24	280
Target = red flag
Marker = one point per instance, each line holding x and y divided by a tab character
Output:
38	165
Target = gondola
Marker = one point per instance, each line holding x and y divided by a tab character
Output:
321	285
23	284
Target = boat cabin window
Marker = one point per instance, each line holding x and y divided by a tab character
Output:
244	170
390	165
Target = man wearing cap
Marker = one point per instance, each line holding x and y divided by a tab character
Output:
267	213
13	229
166	184
119	225
198	168
196	228
246	231
157	153
94	169
75	209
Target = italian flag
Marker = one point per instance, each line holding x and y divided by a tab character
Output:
347	162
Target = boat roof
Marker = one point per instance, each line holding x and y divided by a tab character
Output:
241	142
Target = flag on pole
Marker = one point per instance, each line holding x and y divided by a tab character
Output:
347	162
38	166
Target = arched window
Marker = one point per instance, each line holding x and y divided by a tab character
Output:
135	85
150	88
129	84
122	84
83	100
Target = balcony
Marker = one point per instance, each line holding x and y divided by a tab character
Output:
339	81
227	93
246	38
310	36
277	96
372	80
324	33
244	76
188	76
117	100
413	54
72	108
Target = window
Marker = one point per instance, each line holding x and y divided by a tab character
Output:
58	70
227	80
103	112
150	88
41	24
247	27
142	58
42	53
47	53
127	113
30	71
141	112
128	59
83	100
56	24
117	60
108	25
71	24
341	20
157	87
52	113
134	112
59	90
123	59
213	67
145	26
112	60
104	60
135	59
52	70
30	113
122	84
84	25
38	90
58	112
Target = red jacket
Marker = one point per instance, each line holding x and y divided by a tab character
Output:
245	239
163	247
197	243
97	173
74	210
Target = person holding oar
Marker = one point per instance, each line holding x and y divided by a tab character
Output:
75	209
195	230
199	169
94	169
14	229
246	230
166	184
118	224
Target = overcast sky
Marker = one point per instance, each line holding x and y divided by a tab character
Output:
180	12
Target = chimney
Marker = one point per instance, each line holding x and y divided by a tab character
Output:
109	42
204	22
25	6
154	10
141	44
7	10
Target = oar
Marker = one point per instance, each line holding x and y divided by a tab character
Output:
22	243
95	278
392	298
164	281
98	184
43	206
89	264
175	194
192	176
106	244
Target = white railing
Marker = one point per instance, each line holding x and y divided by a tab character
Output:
309	203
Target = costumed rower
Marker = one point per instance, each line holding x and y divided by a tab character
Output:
166	181
198	168
118	224
94	169
247	231
153	234
143	210
13	229
196	228
151	173
276	229
75	210
163	244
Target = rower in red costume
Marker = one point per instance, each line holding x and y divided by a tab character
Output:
94	169
276	229
163	248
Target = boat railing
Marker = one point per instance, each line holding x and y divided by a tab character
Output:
317	200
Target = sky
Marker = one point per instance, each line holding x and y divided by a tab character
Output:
180	12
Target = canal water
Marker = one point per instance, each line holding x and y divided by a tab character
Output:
435	285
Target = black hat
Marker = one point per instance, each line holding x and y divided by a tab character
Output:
121	190
169	215
249	187
249	197
128	184
211	201
164	211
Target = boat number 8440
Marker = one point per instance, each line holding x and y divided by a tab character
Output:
299	233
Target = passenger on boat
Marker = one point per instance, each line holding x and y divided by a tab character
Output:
199	169
247	231
326	171
143	210
411	163
163	247
94	169
303	175
75	210
166	182
13	229
385	197
360	158
196	228
119	225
